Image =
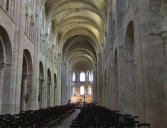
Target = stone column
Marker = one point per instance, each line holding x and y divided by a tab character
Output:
1	82
68	84
99	80
63	83
95	84
44	96
59	86
49	85
40	93
52	96
23	105
87	76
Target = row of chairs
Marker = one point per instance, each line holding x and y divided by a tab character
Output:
94	116
43	118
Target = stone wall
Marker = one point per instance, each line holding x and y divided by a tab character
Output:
26	31
139	80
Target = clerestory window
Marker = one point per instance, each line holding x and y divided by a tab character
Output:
82	77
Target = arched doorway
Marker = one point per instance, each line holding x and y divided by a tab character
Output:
5	70
26	83
41	82
48	87
55	87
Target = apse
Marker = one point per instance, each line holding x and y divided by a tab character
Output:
79	59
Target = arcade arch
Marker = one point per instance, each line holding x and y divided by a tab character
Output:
5	68
26	82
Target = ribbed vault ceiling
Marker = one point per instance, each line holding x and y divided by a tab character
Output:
78	49
79	28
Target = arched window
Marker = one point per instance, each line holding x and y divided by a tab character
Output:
89	90
91	77
82	90
74	76
82	77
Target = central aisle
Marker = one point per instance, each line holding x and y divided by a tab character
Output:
66	122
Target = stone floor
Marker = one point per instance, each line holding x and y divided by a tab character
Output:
66	123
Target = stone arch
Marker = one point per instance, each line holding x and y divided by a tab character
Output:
130	68
49	82
26	83
41	82
5	69
55	87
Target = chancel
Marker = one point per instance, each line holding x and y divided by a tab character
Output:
83	63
